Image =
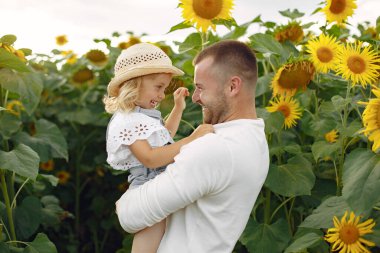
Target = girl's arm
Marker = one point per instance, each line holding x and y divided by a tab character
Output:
157	157
172	122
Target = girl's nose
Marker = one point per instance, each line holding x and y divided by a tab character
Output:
161	95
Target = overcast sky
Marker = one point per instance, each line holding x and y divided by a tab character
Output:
36	23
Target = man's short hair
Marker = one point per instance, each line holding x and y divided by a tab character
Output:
234	57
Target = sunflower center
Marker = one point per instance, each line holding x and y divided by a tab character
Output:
207	9
324	54
356	64
349	234
285	110
295	77
338	6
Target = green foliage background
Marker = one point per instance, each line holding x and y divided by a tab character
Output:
64	121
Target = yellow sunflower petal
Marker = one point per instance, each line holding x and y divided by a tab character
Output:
201	12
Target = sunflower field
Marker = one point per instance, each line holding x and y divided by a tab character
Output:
318	92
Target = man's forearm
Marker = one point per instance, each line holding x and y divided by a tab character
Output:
149	203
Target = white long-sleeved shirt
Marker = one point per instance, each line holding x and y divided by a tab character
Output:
207	194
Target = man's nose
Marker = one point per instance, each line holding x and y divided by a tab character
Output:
195	97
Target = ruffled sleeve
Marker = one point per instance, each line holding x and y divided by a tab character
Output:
124	129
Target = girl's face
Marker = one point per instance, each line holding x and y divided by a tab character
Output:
152	90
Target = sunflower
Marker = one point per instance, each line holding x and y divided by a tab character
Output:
47	166
63	176
339	10
288	107
97	57
61	40
72	59
71	56
371	119
132	40
19	53
331	136
83	75
174	85
291	77
323	52
292	31
346	236
15	107
371	31
201	12
358	64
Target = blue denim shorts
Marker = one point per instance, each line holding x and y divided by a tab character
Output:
140	175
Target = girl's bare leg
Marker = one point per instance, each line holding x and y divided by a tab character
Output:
148	240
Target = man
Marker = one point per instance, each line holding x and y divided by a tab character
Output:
207	194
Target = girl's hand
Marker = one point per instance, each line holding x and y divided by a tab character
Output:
202	130
179	97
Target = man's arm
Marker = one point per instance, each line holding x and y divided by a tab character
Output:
195	173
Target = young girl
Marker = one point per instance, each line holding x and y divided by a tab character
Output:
137	138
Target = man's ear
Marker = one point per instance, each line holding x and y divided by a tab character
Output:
235	85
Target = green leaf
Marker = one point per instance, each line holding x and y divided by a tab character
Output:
228	23
292	14
51	211
304	242
48	141
263	84
9	60
182	25
241	30
83	116
4	248
26	51
323	149
22	160
10	124
53	180
193	41
265	43
353	129
27	85
41	244
339	102
27	217
273	120
322	217
361	168
52	136
260	238
8	39
292	179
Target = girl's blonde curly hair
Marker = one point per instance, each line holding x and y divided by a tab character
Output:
126	98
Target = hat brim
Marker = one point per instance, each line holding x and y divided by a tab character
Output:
140	71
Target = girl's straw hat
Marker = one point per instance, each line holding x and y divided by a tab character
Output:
139	60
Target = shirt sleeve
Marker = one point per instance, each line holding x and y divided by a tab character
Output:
196	172
124	130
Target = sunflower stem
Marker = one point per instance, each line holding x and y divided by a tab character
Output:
344	139
4	189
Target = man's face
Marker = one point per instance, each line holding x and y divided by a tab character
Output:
209	92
